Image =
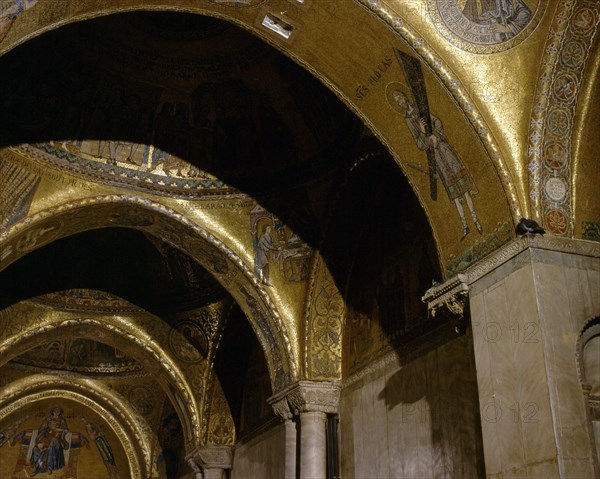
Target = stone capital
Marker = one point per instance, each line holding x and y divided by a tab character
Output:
211	457
282	408
451	296
307	396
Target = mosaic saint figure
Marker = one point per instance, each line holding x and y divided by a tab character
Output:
456	180
51	442
10	432
505	17
103	447
262	253
9	11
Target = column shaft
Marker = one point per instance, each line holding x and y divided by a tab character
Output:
313	447
213	473
290	449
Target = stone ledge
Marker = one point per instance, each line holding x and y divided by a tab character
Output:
452	295
514	248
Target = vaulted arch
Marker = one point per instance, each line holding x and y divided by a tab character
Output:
501	196
139	213
27	325
136	437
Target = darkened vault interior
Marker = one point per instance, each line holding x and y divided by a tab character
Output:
257	239
217	113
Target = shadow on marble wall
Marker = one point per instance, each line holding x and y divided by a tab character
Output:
415	413
438	390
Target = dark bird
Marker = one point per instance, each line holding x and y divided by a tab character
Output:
526	226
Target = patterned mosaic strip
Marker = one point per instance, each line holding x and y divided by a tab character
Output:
551	129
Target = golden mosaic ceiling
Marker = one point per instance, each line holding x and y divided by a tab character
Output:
379	145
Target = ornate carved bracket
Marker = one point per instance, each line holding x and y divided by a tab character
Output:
451	296
305	396
210	457
282	409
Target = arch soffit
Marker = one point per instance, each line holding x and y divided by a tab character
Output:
135	212
552	164
324	318
38	325
589	331
245	16
127	424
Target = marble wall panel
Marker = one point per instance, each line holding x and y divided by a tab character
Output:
562	299
544	469
594	298
262	457
417	420
511	375
596	432
525	331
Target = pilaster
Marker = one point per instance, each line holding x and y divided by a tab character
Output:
528	302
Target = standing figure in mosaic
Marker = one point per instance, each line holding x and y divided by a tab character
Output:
262	252
9	11
103	447
51	441
456	180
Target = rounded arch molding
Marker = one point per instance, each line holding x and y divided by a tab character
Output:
552	159
247	14
27	325
590	330
130	211
133	432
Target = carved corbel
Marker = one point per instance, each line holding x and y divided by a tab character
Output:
281	408
210	461
450	296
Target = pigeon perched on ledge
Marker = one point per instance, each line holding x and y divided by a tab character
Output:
526	226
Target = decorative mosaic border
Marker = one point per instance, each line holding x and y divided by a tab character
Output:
551	128
107	374
129	177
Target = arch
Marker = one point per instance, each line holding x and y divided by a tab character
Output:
587	333
27	325
590	386
132	430
135	212
247	16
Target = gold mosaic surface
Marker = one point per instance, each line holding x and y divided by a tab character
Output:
488	117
